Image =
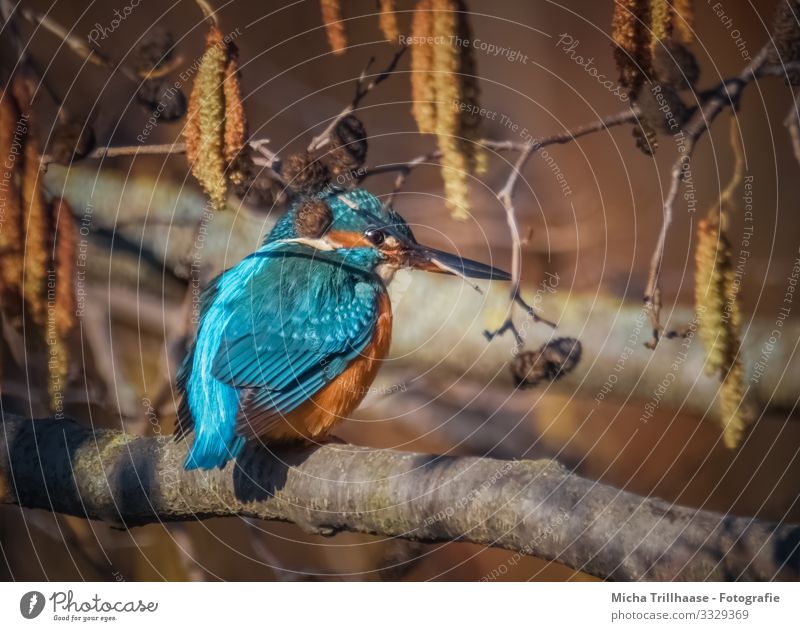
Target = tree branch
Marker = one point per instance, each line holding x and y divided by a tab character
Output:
726	94
532	507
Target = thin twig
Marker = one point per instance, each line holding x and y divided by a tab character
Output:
725	95
208	12
506	197
77	45
362	89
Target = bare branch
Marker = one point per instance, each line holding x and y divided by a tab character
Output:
362	89
727	94
77	45
532	507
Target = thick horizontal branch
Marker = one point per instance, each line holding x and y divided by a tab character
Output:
531	507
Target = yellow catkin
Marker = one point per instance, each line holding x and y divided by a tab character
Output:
735	418
446	61
235	133
423	86
718	306
65	260
660	21
35	221
683	20
334	26
388	20
204	129
13	130
713	265
631	34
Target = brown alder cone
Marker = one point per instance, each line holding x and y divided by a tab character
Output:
305	174
12	135
786	37
550	362
423	88
388	20
334	27
631	35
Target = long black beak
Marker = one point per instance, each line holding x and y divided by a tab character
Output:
425	258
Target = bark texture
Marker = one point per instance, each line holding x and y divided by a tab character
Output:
531	507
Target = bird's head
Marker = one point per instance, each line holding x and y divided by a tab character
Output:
356	224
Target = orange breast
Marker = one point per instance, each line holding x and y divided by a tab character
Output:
317	416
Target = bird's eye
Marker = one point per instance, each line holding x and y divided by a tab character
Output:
375	236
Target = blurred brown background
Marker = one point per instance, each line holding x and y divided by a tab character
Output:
598	239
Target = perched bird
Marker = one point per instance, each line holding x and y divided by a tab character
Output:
291	338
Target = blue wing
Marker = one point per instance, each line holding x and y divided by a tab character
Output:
292	329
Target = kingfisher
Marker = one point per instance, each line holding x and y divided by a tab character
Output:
291	338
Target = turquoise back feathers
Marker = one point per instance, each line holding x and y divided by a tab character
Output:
278	327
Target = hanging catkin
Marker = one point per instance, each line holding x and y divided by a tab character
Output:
334	26
683	21
660	21
388	20
446	61
630	30
13	129
205	129
718	313
423	82
65	260
445	76
717	304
